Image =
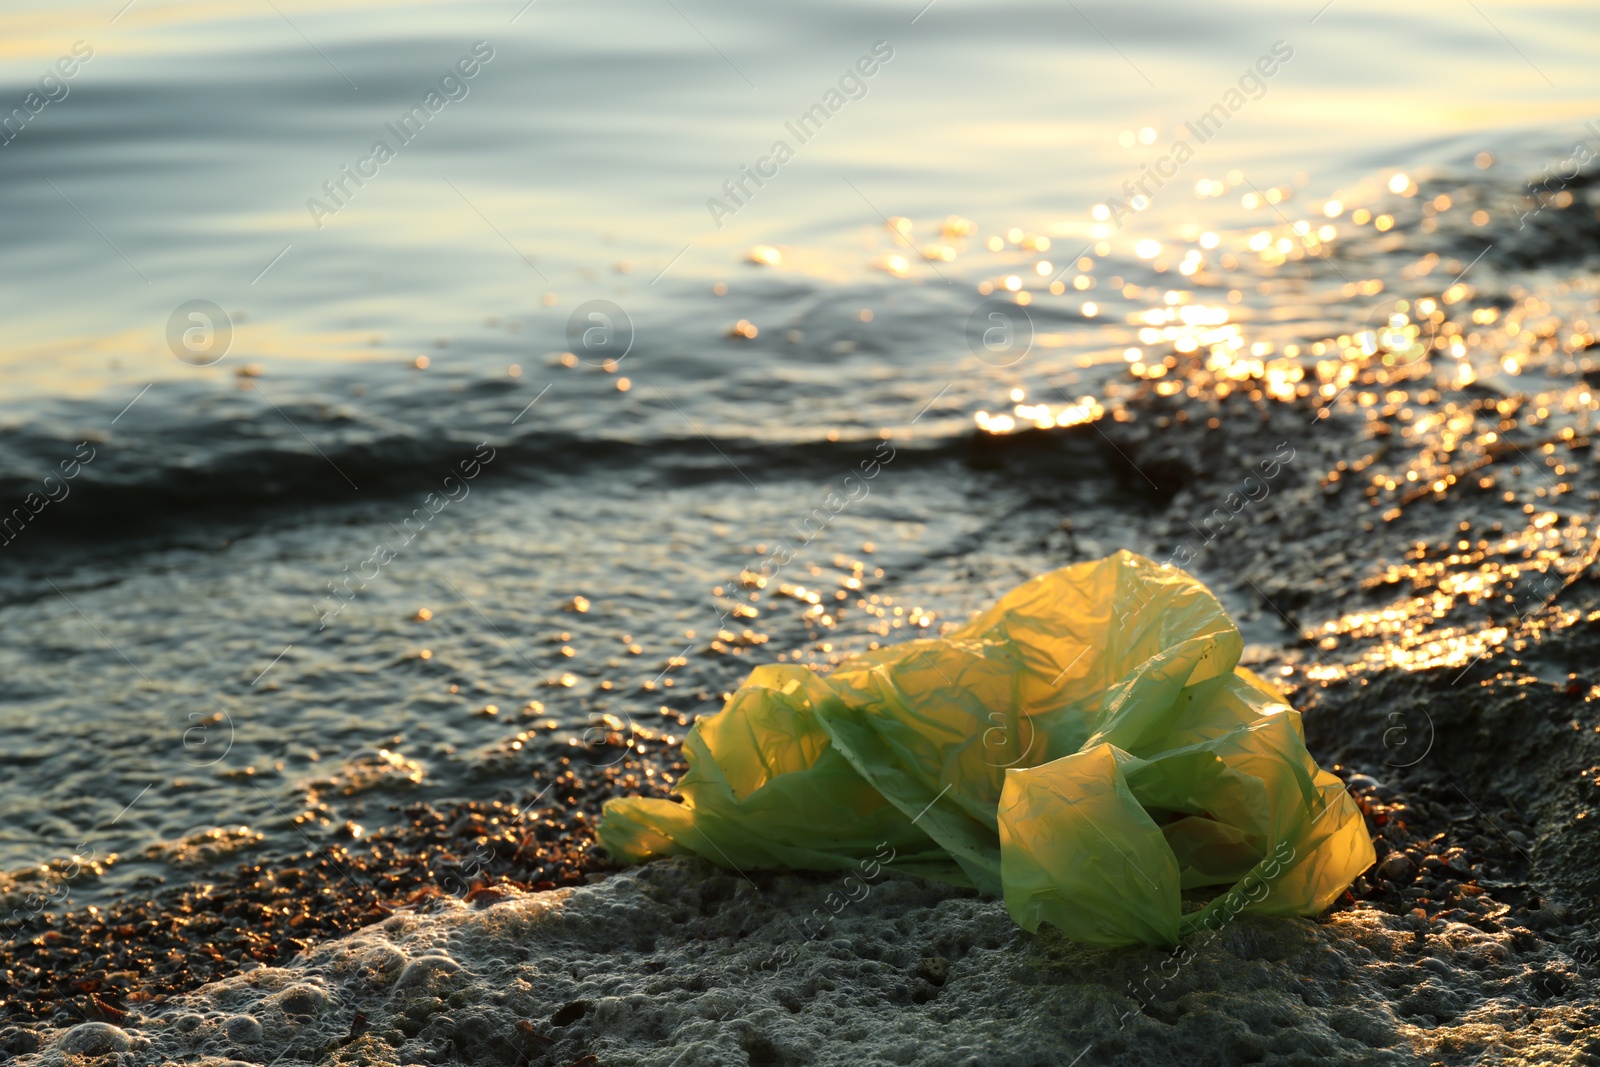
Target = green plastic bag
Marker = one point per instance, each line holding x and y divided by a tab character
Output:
1088	749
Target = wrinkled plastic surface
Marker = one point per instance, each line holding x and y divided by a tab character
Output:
1088	748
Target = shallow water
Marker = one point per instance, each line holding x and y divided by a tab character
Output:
174	657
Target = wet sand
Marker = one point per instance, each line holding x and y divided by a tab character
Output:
118	963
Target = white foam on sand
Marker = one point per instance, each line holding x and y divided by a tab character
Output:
677	963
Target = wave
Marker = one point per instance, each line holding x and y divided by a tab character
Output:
98	486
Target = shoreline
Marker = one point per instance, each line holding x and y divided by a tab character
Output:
1455	901
1488	864
112	963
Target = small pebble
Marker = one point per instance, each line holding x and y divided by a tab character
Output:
1395	867
302	1000
243	1030
95	1039
933	969
424	972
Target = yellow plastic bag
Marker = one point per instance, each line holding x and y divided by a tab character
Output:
1088	749
767	788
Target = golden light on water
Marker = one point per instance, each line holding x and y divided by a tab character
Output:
1437	378
893	263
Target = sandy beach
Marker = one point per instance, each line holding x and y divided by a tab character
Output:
415	418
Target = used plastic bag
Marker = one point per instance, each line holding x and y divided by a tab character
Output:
1088	749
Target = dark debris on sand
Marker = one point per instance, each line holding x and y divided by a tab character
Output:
1493	824
101	964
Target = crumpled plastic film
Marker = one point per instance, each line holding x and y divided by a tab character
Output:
767	788
1088	749
1079	852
